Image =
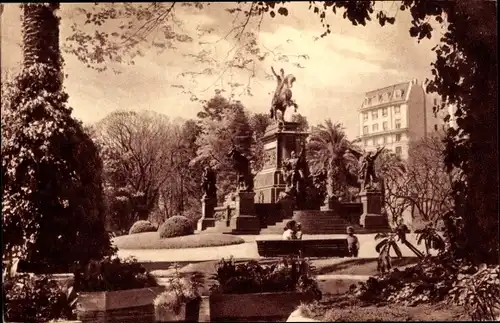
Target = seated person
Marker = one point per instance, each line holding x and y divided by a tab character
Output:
290	233
352	242
298	231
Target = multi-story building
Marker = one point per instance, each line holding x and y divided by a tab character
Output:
395	115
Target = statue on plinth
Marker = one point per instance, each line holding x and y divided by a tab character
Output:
282	98
294	173
367	169
208	184
242	166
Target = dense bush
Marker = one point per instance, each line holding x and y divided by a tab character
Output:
479	293
176	226
36	299
428	281
437	279
142	226
251	277
52	196
112	274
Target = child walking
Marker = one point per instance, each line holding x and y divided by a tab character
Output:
352	242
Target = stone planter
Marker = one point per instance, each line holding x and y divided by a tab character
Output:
188	312
97	306
259	306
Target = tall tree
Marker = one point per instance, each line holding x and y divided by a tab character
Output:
430	186
216	139
181	193
52	210
138	159
328	152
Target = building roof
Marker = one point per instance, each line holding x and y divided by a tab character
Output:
394	87
387	95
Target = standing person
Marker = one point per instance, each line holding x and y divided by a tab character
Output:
298	233
290	233
352	242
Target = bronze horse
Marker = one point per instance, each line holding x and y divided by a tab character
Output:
282	98
242	166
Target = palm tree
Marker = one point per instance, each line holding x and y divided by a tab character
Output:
41	37
328	153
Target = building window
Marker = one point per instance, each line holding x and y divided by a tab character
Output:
375	127
365	129
435	127
385	139
365	116
402	93
380	98
397	123
384	112
388	95
366	143
397	109
384	125
398	151
435	101
374	115
398	137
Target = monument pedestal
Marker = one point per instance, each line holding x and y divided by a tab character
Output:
245	220
331	204
207	219
371	218
279	141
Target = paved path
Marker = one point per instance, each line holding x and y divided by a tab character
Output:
248	250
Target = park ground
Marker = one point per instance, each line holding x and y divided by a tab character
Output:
335	276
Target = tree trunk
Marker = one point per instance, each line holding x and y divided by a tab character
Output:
41	40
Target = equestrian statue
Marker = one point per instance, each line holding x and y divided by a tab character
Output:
282	98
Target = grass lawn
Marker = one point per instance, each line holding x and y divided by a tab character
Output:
346	308
152	240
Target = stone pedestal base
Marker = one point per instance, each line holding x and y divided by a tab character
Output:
331	203
372	208
207	213
372	201
245	203
205	223
373	221
245	224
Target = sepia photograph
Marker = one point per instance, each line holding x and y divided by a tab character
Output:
267	161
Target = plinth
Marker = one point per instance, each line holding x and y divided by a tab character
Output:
245	220
207	219
372	206
331	203
279	140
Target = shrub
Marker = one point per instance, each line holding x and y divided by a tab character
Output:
142	226
479	293
251	277
112	274
36	299
178	291
176	226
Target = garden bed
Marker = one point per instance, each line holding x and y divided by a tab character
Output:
152	240
347	308
247	307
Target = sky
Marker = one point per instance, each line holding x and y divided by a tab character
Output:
332	73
